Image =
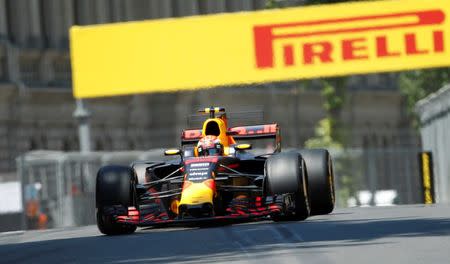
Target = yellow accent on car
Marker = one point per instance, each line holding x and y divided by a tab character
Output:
225	140
170	152
174	206
243	146
197	193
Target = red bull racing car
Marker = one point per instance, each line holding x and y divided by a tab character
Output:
216	178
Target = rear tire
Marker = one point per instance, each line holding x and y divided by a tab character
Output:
115	188
319	170
285	175
140	170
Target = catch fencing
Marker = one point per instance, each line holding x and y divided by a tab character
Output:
63	183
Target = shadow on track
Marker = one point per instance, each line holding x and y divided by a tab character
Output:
220	244
369	229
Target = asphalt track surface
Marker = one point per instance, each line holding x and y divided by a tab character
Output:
401	234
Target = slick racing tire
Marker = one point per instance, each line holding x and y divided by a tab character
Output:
319	170
114	191
285	176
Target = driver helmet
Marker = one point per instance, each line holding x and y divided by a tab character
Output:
209	146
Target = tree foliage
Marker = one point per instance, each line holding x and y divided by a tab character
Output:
323	136
328	132
416	85
272	4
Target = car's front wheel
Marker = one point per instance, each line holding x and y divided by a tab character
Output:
115	193
286	178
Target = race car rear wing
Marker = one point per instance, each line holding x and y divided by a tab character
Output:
192	136
254	132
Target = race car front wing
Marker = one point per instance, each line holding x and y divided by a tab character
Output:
239	210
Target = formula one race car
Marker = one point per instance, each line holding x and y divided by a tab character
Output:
216	178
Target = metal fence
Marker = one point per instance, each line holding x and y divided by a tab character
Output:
434	113
377	171
63	184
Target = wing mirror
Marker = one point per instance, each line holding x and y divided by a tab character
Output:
243	146
172	152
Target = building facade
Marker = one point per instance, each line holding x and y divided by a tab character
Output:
37	105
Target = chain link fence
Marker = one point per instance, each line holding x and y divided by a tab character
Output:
63	184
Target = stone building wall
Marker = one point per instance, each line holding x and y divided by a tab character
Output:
36	105
42	119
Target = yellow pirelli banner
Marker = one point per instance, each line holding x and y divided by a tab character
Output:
263	46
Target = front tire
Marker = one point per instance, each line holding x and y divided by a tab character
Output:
285	176
107	226
115	192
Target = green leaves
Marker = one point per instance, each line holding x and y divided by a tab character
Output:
323	136
328	130
416	85
332	100
270	4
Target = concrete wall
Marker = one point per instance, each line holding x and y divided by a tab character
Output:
42	118
10	222
434	112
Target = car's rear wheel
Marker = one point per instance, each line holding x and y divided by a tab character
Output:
286	177
140	170
115	192
319	169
